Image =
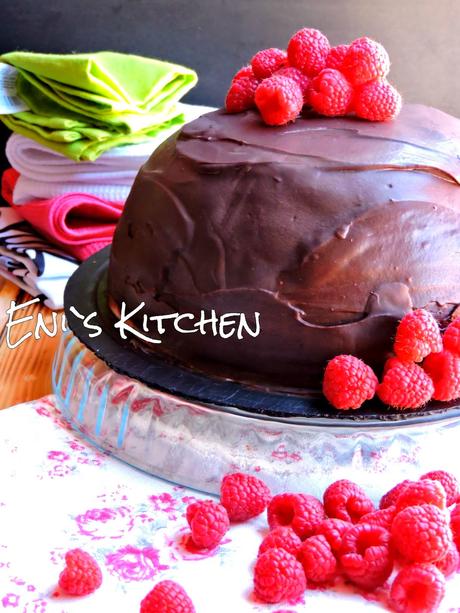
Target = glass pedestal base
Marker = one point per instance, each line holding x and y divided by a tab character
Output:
194	444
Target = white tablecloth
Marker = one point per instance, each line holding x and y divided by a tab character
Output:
57	493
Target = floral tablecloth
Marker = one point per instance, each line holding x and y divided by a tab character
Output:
57	493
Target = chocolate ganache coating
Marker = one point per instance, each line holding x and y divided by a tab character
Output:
332	229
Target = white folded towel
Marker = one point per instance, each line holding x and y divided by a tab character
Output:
45	173
37	162
27	189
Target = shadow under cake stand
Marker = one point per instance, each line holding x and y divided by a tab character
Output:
192	429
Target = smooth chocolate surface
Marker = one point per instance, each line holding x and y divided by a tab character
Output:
331	228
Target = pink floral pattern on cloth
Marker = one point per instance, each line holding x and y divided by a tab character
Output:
105	523
57	492
134	564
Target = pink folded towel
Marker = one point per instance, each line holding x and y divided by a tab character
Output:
81	224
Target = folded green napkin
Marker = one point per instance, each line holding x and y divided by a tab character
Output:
43	104
81	143
103	99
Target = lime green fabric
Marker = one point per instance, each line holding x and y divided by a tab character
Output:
84	104
80	143
44	105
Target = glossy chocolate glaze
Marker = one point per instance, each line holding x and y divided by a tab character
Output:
331	228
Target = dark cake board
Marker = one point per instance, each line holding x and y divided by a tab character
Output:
86	291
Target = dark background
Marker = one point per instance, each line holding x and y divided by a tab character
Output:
216	37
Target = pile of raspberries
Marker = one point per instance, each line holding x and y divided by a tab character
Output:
412	540
333	81
425	366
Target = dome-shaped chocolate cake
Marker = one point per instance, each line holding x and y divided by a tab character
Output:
332	229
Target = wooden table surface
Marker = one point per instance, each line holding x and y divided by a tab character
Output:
25	372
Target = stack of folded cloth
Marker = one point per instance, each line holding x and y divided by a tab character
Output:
76	205
74	208
92	121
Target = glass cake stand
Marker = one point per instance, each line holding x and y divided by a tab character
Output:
189	429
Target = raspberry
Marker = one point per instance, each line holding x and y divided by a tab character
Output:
449	483
81	575
348	382
345	500
365	61
393	361
405	386
268	61
417	336
245	71
208	522
244	496
422	492
418	588
333	530
240	96
167	597
382	517
455	525
449	564
278	576
308	50
451	337
389	499
301	512
365	555
279	100
317	559
444	370
377	101
330	93
421	533
282	538
299	77
336	57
